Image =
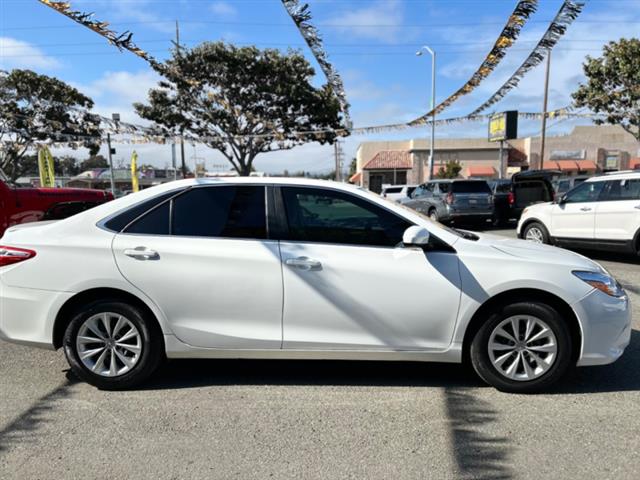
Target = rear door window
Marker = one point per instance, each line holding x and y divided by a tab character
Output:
620	190
220	211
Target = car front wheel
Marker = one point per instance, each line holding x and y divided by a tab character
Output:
522	348
112	345
536	232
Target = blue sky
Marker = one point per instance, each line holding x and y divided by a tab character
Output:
372	43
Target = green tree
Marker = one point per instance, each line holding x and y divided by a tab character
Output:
94	161
241	101
37	108
67	166
353	167
613	85
451	170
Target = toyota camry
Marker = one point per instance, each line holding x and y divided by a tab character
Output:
294	268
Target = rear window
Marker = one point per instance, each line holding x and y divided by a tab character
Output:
393	190
123	219
470	187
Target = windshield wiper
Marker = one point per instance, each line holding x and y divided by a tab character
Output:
466	235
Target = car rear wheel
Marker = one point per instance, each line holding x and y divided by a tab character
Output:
522	348
112	345
433	215
536	232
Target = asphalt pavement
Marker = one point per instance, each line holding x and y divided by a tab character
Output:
293	419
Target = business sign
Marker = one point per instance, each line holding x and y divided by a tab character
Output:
568	155
503	126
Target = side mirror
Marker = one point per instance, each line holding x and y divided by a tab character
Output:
415	236
562	199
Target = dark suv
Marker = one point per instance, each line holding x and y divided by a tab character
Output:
454	201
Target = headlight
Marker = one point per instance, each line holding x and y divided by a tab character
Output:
525	210
602	282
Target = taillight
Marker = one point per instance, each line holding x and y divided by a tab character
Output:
510	198
11	255
449	198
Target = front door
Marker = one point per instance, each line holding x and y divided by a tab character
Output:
205	261
575	215
350	286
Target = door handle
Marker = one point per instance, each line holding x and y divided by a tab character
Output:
303	263
141	253
585	209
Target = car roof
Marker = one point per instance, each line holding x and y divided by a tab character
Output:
625	175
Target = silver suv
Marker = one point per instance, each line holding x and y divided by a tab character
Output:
454	201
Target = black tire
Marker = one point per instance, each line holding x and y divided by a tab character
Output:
541	228
480	357
433	214
151	353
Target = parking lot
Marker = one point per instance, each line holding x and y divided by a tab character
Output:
294	419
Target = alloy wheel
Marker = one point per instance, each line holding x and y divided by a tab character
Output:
108	344
534	234
522	348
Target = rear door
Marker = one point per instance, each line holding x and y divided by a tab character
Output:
575	215
618	212
204	257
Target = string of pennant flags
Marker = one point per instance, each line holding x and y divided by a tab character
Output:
122	41
301	16
511	31
568	12
131	134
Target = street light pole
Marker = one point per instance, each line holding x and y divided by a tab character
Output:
433	113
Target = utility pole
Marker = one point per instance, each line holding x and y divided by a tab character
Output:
111	177
544	109
184	166
337	150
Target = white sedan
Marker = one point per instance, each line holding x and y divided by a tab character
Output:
286	268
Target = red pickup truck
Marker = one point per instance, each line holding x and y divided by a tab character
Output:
22	205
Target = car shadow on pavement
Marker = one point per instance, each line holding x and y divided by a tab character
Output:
26	427
199	373
623	375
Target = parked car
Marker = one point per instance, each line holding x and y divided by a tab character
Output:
503	200
398	193
454	201
602	213
564	184
23	205
531	187
256	268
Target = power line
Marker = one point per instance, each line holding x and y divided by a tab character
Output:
336	25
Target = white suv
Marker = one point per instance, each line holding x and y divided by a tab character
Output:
601	213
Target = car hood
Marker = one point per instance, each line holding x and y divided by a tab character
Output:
536	251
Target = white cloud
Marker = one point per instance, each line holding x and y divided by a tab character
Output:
16	53
223	9
361	22
117	91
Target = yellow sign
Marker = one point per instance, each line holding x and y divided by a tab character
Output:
134	172
45	166
503	126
